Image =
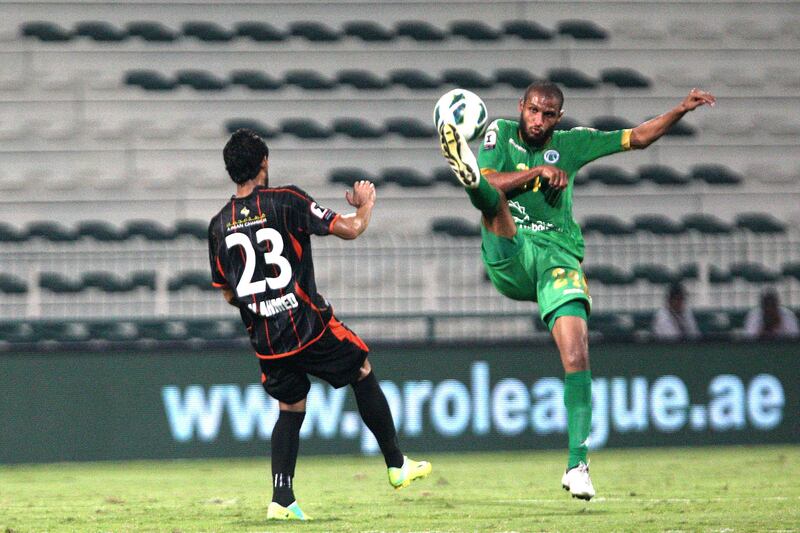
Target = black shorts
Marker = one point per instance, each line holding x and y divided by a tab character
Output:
336	358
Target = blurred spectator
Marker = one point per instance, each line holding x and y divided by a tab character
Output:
675	321
770	320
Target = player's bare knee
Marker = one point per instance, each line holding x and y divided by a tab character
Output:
365	370
575	358
297	407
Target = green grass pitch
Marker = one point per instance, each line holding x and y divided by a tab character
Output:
715	489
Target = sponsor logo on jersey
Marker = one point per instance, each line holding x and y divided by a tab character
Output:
245	211
245	222
490	140
516	145
551	157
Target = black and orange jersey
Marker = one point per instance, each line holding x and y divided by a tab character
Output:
260	248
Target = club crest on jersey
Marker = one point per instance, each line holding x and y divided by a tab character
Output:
245	211
490	140
551	157
318	211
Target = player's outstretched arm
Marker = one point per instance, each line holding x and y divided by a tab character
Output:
649	132
362	198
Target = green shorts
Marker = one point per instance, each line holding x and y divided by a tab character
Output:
534	269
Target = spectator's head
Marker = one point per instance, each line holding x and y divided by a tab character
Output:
676	297
770	308
245	156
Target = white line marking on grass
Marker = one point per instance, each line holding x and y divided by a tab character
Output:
653	500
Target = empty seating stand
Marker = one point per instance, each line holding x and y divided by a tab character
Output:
100	31
45	31
474	30
419	30
361	79
207	31
367	31
582	30
405	177
314	31
257	126
259	31
151	31
255	80
527	30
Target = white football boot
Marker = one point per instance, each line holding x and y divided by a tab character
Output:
578	483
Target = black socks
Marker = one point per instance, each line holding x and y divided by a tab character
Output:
285	445
375	412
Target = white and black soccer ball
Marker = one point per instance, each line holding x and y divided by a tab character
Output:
465	110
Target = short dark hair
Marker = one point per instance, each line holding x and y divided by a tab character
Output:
243	154
547	88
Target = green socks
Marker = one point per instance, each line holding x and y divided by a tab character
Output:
484	197
578	399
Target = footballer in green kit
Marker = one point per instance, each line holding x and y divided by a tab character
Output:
532	246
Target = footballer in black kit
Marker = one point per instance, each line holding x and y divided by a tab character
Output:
260	257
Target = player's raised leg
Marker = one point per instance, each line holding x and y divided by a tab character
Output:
374	410
571	335
285	446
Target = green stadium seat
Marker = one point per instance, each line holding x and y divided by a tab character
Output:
200	80
361	79
567	123
54	282
367	30
662	175
657	224
455	227
405	177
313	31
707	224
609	123
45	31
715	175
206	31
610	175
517	78
305	128
413	79
151	31
737	317
309	80
642	320
99	230
163	330
349	175
608	275
251	124
142	278
51	231
255	80
656	274
527	30
149	80
410	128
419	30
214	329
760	223
445	175
466	78
357	128
104	281
60	331
9	233
473	30
688	271
753	272
606	225
680	129
10	284
712	323
259	31
571	78
100	31
192	228
192	278
791	270
581	30
16	332
718	275
617	326
113	330
148	230
624	78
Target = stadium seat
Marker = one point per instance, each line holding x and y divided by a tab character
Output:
200	80
45	31
152	31
715	175
419	30
624	78
753	272
527	30
608	275
142	279
305	128
191	228
466	78
656	274
413	79
59	330
104	281
617	326
680	129
214	329
707	224
571	78
361	79
257	126
308	80
759	223
9	233
657	224
16	332
717	275
445	175
206	31
515	77
567	123
113	330
51	231
357	128
349	175
410	128
610	175
455	227
606	225
99	230
100	31
147	229
610	123
10	284
259	31
162	330
149	80
791	270
367	30
255	80
54	282
662	175
712	322
474	30
582	30
192	278
688	271
313	31
405	177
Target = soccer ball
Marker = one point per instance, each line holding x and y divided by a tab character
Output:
465	110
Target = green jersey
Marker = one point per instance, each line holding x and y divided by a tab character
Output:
536	207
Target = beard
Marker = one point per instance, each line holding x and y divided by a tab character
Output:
534	140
